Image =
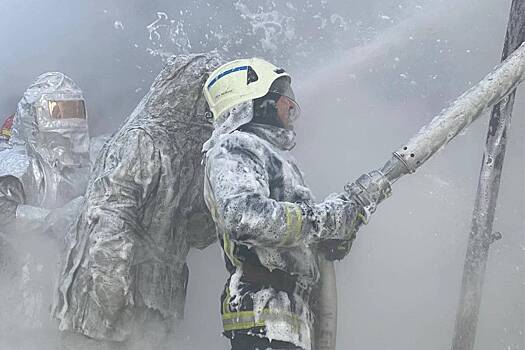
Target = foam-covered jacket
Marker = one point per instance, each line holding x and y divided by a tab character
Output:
144	209
269	227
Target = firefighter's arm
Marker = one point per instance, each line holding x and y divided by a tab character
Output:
13	211
239	185
11	197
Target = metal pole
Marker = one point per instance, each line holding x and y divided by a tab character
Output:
481	234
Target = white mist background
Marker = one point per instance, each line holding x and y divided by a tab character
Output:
380	70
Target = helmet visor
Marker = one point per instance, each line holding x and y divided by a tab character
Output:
287	107
67	109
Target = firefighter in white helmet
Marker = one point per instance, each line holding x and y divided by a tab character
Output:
270	229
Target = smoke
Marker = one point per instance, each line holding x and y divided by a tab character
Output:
26	290
369	75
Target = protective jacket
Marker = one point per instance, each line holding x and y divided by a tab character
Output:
144	209
268	226
44	168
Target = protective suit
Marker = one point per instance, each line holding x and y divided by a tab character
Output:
126	260
268	224
49	159
42	174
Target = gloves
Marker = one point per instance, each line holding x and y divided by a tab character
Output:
369	190
333	225
334	249
362	197
333	219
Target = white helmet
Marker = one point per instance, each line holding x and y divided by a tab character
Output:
231	89
240	81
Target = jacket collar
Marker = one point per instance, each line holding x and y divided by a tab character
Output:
279	137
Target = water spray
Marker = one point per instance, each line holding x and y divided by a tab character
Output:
503	80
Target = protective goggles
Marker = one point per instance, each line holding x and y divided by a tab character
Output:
67	109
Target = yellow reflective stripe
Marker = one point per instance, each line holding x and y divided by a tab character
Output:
238	314
362	217
241	326
246	319
294	224
251	313
229	247
6	132
241	320
226	302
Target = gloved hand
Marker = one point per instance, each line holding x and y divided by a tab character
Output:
333	219
369	190
362	197
335	249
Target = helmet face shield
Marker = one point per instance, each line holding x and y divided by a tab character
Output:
282	86
66	109
288	109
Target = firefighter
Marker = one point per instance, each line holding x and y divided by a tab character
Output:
43	174
270	229
125	272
